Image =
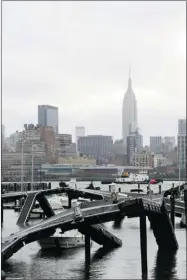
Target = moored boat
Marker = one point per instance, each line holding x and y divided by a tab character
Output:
67	240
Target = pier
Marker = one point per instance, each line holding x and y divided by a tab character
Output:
102	208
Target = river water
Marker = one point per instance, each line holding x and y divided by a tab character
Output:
121	263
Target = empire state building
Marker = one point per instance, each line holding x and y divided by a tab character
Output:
129	112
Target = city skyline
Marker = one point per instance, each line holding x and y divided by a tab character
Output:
78	58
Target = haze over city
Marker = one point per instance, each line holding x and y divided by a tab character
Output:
76	55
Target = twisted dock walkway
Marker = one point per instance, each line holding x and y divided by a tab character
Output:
93	214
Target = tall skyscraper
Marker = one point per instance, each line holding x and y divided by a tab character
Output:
48	116
182	144
3	136
129	112
79	132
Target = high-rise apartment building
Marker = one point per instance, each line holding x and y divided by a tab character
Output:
155	144
47	135
129	112
79	132
48	116
96	146
64	146
181	145
168	144
134	143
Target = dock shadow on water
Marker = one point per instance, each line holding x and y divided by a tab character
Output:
165	266
90	270
102	253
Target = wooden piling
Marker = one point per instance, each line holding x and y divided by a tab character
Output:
172	206
69	202
87	249
2	211
185	203
143	245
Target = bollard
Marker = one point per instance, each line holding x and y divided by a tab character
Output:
143	245
49	186
29	186
160	188
172	208
15	187
87	249
119	190
138	186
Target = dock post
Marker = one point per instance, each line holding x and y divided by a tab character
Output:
2	211
69	202
185	203
160	189
172	210
87	249
143	244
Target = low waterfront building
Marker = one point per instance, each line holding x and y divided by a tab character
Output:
77	161
11	164
58	169
160	160
143	159
182	145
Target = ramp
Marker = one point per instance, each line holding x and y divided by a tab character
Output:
26	209
163	231
101	236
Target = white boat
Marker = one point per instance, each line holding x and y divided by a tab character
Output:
133	178
72	183
37	214
67	240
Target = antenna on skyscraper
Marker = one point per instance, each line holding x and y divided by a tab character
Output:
129	70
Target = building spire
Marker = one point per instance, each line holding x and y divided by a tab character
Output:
129	81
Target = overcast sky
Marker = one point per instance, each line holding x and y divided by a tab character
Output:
76	55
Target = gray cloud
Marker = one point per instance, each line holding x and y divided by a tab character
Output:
76	55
